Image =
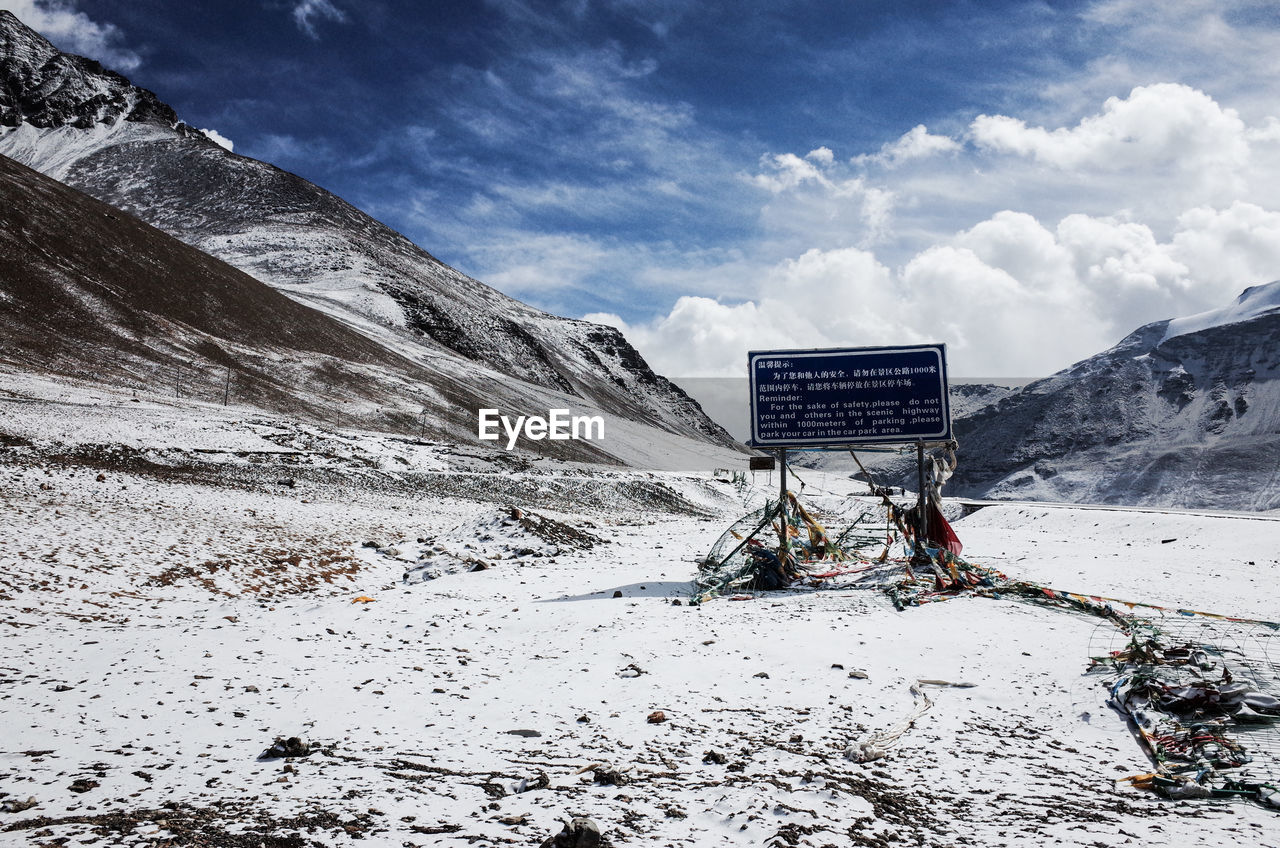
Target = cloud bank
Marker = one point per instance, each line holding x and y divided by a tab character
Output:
1156	205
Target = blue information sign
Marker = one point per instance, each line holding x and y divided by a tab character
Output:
846	396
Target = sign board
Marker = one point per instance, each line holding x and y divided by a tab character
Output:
848	396
761	463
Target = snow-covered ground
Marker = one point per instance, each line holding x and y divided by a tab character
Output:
171	608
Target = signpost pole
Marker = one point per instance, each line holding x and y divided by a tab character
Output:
922	522
784	539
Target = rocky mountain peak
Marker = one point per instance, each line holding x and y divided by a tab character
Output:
42	86
22	46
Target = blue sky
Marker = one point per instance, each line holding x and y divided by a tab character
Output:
1026	182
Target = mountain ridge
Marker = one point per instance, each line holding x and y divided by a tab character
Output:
107	306
1188	419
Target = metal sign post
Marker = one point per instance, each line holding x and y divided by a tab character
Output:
784	538
919	555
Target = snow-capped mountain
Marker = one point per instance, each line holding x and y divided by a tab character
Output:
103	305
1182	412
68	117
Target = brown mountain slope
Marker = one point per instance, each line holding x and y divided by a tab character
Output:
90	292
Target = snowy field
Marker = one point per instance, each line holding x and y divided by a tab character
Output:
175	596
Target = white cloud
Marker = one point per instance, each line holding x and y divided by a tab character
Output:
1229	248
784	171
74	31
1167	130
219	139
1019	245
307	12
1156	124
701	337
821	155
1128	271
1009	296
817	201
916	143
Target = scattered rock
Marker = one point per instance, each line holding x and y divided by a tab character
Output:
523	732
617	593
714	756
656	717
609	777
858	674
763	674
291	747
578	833
83	784
584	719
14	805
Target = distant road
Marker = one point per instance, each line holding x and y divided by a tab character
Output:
972	505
